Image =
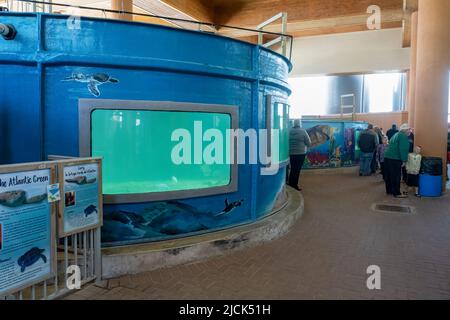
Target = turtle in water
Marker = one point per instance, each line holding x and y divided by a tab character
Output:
81	180
93	81
31	257
320	135
90	210
230	206
18	198
127	218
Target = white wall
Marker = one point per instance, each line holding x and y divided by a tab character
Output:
355	52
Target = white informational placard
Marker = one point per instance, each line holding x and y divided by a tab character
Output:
26	228
81	203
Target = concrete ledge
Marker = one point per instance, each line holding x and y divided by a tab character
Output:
121	261
331	171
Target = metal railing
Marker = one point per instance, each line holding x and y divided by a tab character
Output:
83	250
46	7
345	107
281	39
25	6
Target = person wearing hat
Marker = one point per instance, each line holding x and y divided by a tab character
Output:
395	158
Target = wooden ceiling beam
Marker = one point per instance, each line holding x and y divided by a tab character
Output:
390	19
253	12
409	6
197	9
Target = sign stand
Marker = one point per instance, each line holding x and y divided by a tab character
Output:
27	226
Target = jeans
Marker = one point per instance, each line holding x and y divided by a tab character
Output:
365	164
297	162
374	164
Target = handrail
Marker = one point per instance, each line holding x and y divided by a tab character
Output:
345	107
282	37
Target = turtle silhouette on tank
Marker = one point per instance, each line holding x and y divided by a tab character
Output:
31	257
93	81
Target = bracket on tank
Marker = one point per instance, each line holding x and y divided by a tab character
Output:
8	31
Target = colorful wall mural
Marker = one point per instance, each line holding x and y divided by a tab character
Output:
333	143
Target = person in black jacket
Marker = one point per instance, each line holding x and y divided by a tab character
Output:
391	132
367	143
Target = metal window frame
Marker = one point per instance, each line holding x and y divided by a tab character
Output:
87	106
271	100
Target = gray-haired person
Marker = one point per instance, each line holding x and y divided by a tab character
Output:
299	141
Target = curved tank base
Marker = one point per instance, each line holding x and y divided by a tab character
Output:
147	257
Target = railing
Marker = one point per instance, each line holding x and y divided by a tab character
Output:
46	7
281	39
82	250
348	107
22	6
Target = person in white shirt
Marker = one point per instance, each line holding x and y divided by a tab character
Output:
413	167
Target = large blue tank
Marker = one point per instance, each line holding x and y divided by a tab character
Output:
50	67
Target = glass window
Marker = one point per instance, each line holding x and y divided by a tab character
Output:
310	96
137	149
383	92
321	95
279	119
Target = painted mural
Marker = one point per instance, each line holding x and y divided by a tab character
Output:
333	143
139	223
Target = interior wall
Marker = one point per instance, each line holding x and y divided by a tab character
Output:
356	52
384	120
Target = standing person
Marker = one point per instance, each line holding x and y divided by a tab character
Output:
381	150
367	142
413	167
392	132
374	164
411	150
299	142
395	158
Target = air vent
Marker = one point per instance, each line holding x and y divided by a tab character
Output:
390	208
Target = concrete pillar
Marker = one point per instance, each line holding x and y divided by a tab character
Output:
412	72
432	77
122	5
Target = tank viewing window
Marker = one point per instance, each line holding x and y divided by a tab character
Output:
138	145
278	118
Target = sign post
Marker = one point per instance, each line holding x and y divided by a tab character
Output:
81	205
27	226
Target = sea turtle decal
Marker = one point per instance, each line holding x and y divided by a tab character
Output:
230	206
18	198
93	81
31	257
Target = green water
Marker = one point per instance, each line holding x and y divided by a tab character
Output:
280	120
137	148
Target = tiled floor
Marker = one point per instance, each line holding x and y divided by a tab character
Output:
325	256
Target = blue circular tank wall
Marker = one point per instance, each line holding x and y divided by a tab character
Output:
39	110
